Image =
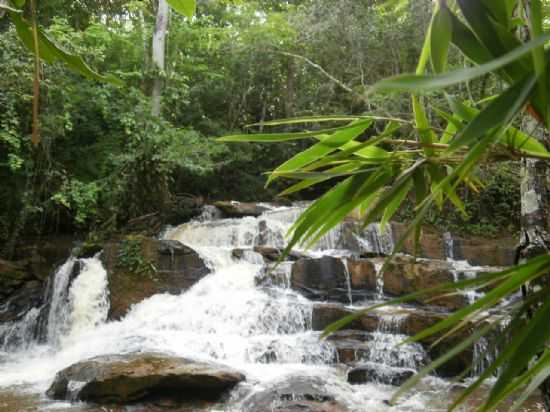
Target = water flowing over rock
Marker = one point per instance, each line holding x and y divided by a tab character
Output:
372	373
213	290
294	394
166	267
122	379
406	275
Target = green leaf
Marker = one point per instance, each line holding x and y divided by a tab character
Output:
427	136
393	205
184	7
325	146
533	339
51	53
440	38
282	137
513	138
468	44
417	83
501	10
498	113
310	119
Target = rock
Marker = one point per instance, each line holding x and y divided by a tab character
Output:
121	379
404	275
29	295
278	276
87	250
303	394
351	346
321	279
476	250
419	320
240	209
362	274
274	254
485	252
324	314
20	290
379	374
141	267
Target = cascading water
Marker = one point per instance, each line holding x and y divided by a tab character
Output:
225	317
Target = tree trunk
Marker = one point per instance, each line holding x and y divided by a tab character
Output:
2	11
535	216
158	54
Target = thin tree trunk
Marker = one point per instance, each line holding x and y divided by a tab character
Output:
3	11
158	54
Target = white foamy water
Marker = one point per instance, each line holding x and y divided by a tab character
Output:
225	317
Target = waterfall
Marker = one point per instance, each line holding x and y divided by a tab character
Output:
348	281
385	349
449	246
75	301
230	316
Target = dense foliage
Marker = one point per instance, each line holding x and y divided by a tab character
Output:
104	160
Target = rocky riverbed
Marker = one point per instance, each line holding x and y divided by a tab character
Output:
199	319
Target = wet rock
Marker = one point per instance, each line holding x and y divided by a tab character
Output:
274	254
20	290
26	297
121	379
405	275
278	276
476	250
240	209
379	374
294	394
485	252
321	279
141	267
362	274
248	255
351	346
324	314
419	320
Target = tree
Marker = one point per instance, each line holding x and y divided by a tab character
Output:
158	53
376	172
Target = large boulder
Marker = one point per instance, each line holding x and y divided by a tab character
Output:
140	267
295	394
405	275
121	379
20	290
321	279
240	209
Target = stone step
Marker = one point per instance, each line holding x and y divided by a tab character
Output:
407	321
337	279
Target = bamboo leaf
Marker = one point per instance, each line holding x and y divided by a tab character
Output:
419	83
282	137
51	53
324	147
498	113
184	7
440	38
310	119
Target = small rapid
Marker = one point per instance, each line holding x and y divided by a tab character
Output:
266	332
